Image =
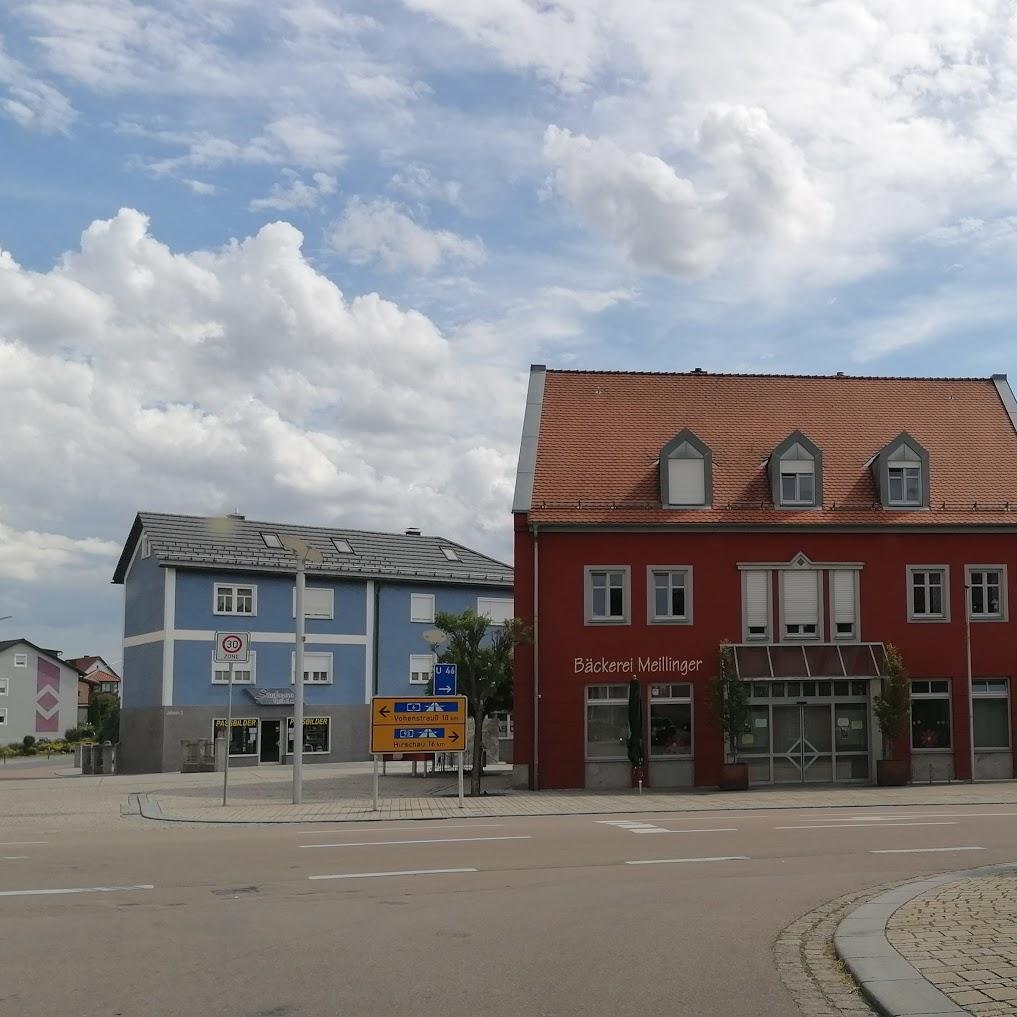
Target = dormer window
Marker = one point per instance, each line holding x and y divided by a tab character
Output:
796	473
902	474
686	472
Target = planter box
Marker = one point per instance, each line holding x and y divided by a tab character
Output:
734	777
892	772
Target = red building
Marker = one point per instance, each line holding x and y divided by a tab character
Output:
810	521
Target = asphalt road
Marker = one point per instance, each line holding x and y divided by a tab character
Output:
549	915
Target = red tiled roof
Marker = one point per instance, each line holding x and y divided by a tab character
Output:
601	434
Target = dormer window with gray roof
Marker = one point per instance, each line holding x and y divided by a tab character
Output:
796	473
686	472
902	474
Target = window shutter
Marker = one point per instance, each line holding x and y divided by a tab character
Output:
842	587
801	598
317	602
756	584
686	482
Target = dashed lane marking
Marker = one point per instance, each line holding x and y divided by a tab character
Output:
75	889
404	872
920	851
671	861
430	840
860	826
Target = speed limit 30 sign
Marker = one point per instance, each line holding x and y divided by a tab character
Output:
232	647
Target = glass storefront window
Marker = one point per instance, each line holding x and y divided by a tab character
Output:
607	722
243	735
992	722
930	714
851	724
757	738
316	734
670	729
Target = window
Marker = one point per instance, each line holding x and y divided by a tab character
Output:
319	602
243	674
231	599
797	476
607	595
497	609
272	540
3	716
669	594
991	699
421	668
317	735
5	686
450	553
902	473
342	545
844	603
317	668
930	714
607	721
670	720
756	604
685	472
421	607
243	734
801	604
146	547
928	593
987	592
21	660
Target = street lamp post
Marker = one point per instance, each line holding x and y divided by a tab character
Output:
305	553
971	684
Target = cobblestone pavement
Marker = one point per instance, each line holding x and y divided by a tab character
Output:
962	937
810	968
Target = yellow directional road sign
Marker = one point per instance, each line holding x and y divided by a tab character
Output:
434	724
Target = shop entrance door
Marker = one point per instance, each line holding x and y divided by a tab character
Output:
270	741
802	743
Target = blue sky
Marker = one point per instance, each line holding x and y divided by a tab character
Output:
297	257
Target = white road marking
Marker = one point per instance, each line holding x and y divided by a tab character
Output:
13	858
21	843
859	826
920	851
75	889
405	872
435	840
714	829
405	829
668	861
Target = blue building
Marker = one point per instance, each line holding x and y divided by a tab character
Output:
367	608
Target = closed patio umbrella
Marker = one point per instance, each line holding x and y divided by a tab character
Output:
636	746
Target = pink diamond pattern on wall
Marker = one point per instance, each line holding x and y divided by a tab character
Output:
47	698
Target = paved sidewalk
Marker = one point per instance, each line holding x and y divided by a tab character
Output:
943	945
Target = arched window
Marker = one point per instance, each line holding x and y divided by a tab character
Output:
796	473
902	474
686	472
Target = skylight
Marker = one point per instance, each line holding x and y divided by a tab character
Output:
451	553
271	540
342	545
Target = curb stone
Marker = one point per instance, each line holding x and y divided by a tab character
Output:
887	979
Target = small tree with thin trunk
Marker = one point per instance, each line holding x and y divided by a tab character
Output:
730	701
893	704
483	669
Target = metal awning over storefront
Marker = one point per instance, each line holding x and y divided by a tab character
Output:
815	660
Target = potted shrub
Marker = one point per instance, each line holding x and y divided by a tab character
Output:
730	702
892	708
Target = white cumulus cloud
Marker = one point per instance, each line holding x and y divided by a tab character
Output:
296	193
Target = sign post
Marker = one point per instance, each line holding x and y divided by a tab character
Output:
230	648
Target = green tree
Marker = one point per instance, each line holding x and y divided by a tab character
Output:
483	668
729	697
893	704
104	716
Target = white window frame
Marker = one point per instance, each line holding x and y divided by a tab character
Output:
932	695
801	637
652	618
331	603
496	617
993	694
621	698
912	570
423	617
854	636
3	716
5	685
416	659
146	546
233	587
313	655
342	546
251	667
21	660
625	617
747	636
450	553
1003	593
904	465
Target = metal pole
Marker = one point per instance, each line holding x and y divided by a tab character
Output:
229	735
461	754
374	758
298	697
971	684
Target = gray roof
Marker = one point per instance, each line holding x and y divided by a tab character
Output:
205	542
54	655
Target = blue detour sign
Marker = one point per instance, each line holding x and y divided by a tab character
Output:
444	679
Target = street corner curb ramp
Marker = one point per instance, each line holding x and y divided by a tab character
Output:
893	986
